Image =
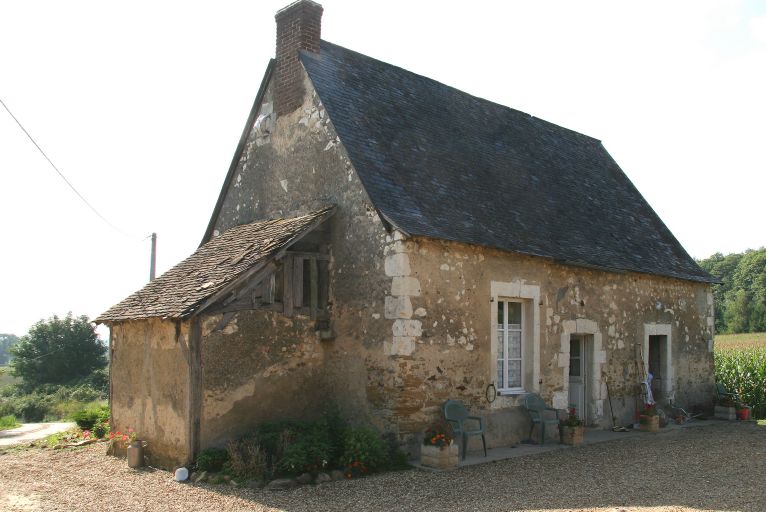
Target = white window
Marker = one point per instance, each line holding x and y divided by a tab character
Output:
510	346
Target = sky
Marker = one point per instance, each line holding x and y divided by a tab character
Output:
141	104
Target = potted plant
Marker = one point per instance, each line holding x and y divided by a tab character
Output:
439	449
743	411
571	428
726	409
648	419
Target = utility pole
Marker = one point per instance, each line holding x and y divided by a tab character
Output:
153	263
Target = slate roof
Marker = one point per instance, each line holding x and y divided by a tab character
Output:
181	290
440	163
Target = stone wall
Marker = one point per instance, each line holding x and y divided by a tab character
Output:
441	342
413	317
150	386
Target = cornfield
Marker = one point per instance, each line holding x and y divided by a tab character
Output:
744	371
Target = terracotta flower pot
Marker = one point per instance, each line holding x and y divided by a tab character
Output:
571	435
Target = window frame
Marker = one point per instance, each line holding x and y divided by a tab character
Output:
530	293
506	330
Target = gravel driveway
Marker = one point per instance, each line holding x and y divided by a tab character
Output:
719	467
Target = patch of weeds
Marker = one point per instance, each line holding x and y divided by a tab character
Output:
8	422
72	435
247	459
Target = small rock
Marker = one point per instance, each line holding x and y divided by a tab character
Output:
323	478
337	474
305	478
281	484
181	475
201	477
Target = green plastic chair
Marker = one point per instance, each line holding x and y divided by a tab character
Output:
456	415
724	394
536	407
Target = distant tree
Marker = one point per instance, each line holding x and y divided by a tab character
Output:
737	314
58	351
6	342
740	301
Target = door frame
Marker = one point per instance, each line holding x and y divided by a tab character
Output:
660	330
597	360
586	347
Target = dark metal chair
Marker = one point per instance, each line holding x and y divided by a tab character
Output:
537	407
457	415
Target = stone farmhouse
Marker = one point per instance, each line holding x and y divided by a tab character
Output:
384	242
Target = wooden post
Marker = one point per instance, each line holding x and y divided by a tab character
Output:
314	300
287	287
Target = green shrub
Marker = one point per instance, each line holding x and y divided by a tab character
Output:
85	393
7	422
309	450
32	408
212	459
88	416
364	445
247	459
744	371
336	430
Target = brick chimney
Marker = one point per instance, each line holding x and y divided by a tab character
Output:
299	26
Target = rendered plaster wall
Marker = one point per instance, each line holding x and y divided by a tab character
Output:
262	366
441	345
150	387
293	164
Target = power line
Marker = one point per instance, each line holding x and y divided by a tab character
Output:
62	175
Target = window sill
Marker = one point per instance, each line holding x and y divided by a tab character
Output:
512	392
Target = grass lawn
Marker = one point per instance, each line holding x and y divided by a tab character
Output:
740	341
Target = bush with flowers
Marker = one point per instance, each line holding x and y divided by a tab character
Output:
123	440
439	434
